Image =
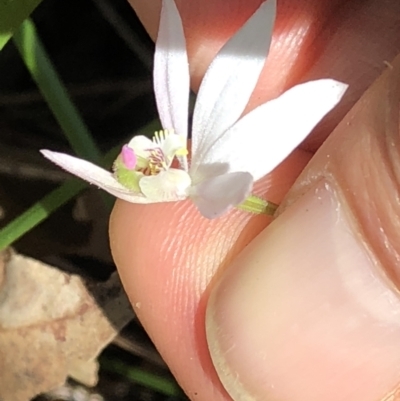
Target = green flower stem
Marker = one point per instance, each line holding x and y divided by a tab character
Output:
256	205
50	85
139	376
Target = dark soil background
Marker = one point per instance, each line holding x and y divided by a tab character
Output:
104	57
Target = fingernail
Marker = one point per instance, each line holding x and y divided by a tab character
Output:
306	313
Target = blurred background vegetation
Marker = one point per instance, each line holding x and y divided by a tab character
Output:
104	57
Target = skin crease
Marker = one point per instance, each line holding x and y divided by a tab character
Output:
169	256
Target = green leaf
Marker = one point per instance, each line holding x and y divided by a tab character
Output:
12	14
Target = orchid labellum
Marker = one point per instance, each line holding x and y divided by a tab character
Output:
228	152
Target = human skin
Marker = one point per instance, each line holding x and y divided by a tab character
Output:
280	327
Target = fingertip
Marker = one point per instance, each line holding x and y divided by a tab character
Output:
168	255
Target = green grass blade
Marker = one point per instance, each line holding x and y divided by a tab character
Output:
54	92
139	376
39	212
12	14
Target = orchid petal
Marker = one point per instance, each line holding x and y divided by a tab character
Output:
217	195
231	78
93	174
167	186
141	145
171	71
262	139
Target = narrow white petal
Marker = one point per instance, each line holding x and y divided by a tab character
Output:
171	71
230	79
93	174
262	139
217	195
167	186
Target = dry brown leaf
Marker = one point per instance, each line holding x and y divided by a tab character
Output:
52	325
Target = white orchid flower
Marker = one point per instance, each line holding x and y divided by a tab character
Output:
228	152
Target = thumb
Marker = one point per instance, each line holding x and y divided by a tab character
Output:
310	310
